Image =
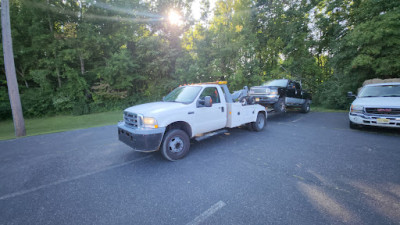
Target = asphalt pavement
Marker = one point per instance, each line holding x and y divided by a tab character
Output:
301	169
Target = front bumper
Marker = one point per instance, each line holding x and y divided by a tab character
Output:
266	99
142	140
375	120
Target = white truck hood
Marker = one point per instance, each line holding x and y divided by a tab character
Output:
378	102
156	108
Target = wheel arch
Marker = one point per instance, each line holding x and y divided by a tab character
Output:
182	125
263	112
260	110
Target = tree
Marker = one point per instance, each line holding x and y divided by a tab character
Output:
361	40
12	83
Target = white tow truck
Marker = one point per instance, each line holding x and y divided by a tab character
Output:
189	111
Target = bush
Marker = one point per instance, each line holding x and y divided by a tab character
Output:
37	103
80	108
5	110
5	107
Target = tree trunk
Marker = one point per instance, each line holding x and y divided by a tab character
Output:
49	19
82	64
13	92
55	51
22	73
58	75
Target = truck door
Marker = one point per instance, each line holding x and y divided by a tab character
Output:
298	93
214	117
291	93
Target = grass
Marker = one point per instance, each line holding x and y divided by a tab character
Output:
60	123
322	109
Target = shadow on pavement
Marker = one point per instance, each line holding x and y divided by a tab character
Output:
380	130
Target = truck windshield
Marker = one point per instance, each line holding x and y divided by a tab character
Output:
277	83
185	94
380	91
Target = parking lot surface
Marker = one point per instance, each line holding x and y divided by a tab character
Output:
301	169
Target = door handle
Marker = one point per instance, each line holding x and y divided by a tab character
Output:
222	109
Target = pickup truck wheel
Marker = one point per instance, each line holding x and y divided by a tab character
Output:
280	106
260	123
175	145
305	108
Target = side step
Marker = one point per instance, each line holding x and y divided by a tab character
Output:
207	135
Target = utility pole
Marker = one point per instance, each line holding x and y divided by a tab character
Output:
13	92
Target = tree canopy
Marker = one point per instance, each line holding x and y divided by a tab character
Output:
81	56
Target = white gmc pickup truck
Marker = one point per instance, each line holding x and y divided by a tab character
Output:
376	105
189	111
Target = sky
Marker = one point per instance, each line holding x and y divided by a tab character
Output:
196	11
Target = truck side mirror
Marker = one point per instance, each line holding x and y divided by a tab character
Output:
350	95
207	102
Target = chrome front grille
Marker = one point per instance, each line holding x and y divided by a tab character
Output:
258	90
131	120
383	111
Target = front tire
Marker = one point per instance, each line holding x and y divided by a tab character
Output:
280	106
260	122
176	145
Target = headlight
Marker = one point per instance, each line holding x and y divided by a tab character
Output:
356	109
149	122
274	92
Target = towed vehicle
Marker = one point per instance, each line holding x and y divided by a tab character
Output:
282	94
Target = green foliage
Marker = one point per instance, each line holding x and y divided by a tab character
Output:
5	107
96	56
368	47
120	71
376	46
37	102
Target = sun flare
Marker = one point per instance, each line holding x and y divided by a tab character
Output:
174	18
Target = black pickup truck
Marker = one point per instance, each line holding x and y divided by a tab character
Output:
281	94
